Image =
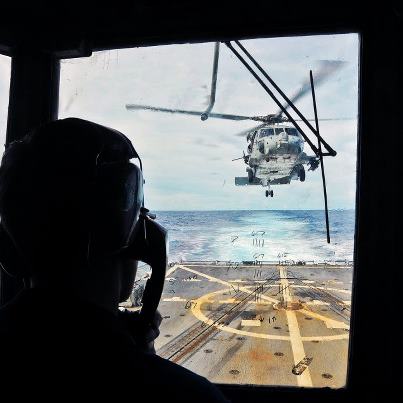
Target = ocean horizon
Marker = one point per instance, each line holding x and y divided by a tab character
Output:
267	235
336	209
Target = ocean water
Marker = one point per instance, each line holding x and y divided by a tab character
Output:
286	235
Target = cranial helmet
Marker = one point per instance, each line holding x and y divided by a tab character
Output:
67	190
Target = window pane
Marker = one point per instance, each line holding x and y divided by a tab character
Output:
5	71
253	294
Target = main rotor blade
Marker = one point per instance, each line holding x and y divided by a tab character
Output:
245	132
322	119
133	107
326	69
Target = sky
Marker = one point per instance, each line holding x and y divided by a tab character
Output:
187	163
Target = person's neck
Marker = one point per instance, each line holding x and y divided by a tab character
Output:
104	294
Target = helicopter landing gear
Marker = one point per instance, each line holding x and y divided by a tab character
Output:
301	174
269	192
250	175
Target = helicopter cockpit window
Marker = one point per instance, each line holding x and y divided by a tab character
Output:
280	130
266	132
254	294
5	72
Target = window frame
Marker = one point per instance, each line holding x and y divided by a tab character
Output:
310	394
376	223
21	76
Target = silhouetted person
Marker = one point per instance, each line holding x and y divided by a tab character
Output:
63	335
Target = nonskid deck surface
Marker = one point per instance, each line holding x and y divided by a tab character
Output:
265	324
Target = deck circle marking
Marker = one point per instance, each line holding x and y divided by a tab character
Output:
196	310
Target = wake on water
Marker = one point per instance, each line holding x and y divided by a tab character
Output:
291	235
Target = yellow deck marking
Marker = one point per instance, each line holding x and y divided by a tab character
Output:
297	346
295	337
330	323
226	283
196	310
209	298
229	301
236	301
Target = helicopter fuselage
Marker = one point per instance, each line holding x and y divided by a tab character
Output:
275	156
273	142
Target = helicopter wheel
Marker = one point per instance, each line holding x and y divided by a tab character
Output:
302	174
271	193
267	193
250	176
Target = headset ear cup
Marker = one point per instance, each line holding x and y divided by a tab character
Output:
117	198
10	260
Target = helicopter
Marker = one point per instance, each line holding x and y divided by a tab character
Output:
275	156
275	151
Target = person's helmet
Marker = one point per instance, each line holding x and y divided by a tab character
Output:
68	195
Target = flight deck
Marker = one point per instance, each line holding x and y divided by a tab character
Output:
261	324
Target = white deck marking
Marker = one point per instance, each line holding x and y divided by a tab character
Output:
226	283
297	346
289	282
330	323
174	299
171	270
251	322
322	288
316	302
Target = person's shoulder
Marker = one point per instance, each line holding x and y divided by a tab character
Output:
174	382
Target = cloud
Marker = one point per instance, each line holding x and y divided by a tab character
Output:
187	162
